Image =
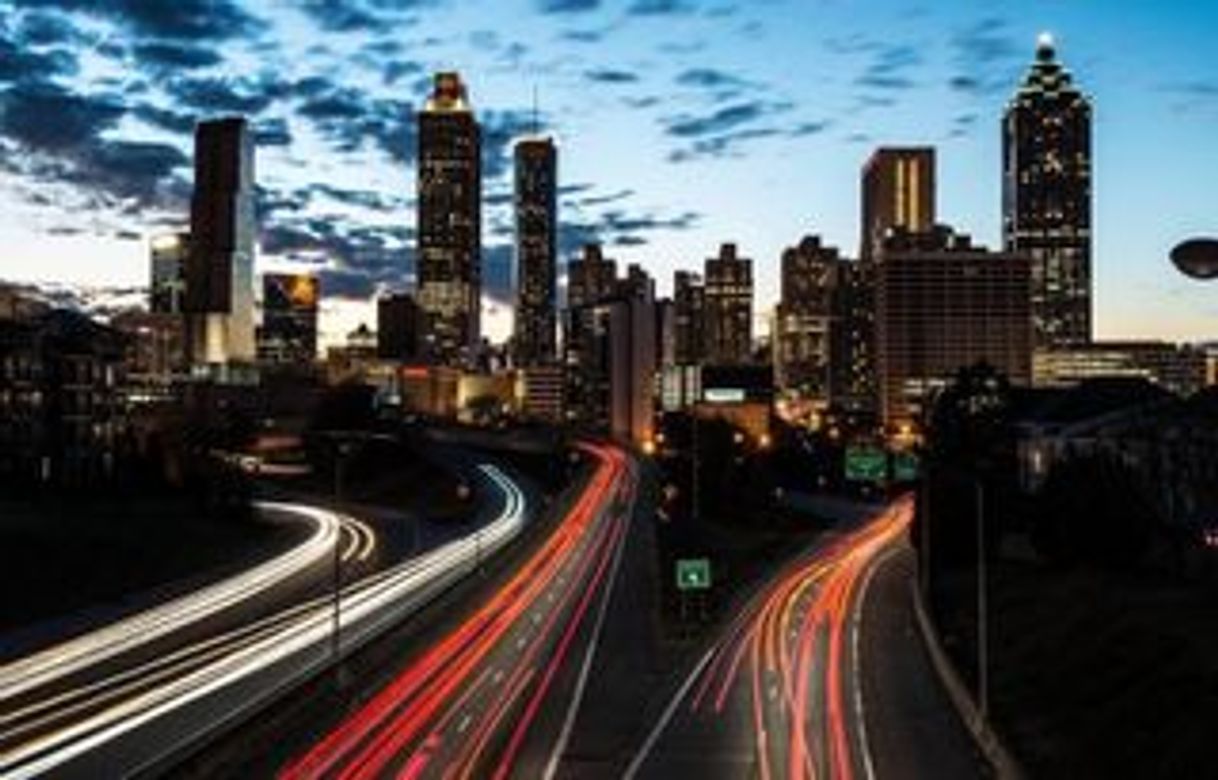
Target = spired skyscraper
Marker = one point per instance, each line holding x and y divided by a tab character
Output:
219	278
536	250
449	223
1046	197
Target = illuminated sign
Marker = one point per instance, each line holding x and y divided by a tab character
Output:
723	395
866	464
693	574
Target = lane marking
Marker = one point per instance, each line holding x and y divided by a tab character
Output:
856	621
637	763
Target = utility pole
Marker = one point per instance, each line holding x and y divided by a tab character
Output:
983	639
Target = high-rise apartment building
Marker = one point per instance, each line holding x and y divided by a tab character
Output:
449	223
728	308
1046	197
943	303
805	319
219	294
536	202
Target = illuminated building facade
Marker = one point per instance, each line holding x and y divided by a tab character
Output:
728	308
1180	369
943	303
805	319
898	191
591	277
1046	197
219	294
289	319
449	223
169	253
536	251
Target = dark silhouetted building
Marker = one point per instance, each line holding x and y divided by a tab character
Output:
728	308
536	251
219	295
898	190
62	418
591	277
688	300
943	303
1046	197
449	223
805	319
397	327
288	335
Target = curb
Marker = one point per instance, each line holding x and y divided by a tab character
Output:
988	742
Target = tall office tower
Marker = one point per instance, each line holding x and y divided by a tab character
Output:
728	308
536	250
852	342
688	300
397	327
610	357
805	322
219	300
449	223
590	278
288	335
898	190
943	304
1046	197
168	277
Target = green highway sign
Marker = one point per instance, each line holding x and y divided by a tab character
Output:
866	464
693	574
904	466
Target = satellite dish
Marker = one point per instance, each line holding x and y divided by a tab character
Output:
1197	257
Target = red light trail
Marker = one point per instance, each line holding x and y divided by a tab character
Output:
468	705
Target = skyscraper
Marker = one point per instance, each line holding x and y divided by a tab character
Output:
1046	196
288	335
688	300
219	299
397	327
728	307
898	190
168	273
943	303
590	278
805	320
449	223
536	250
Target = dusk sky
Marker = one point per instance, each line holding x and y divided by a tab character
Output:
681	124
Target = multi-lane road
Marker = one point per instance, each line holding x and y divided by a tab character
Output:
781	692
496	696
126	695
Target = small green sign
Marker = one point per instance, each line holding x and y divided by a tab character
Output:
693	574
904	466
866	464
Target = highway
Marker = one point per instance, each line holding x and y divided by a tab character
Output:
497	693
780	690
122	698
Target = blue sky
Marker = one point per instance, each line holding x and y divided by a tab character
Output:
681	123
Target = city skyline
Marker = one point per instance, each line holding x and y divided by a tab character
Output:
661	201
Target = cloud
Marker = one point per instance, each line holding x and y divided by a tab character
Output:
189	20
19	62
1192	95
889	67
223	94
985	60
660	7
709	78
38	28
567	6
272	132
723	119
78	119
617	226
175	56
611	76
164	118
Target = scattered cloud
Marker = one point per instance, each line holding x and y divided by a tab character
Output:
986	58
611	76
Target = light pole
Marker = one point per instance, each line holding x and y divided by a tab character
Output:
983	638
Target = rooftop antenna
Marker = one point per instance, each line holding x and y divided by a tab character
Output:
536	119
